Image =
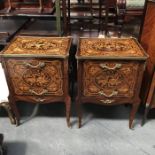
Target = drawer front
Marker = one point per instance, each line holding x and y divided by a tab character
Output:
109	79
36	77
40	99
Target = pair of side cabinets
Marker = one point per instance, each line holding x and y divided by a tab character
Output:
109	72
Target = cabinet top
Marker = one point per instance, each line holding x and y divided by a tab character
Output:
112	48
28	46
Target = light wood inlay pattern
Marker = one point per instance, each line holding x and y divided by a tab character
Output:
109	47
28	78
38	46
104	82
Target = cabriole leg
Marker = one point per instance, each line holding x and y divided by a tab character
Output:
135	107
68	106
79	112
7	107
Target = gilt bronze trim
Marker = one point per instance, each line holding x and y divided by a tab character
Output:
7	107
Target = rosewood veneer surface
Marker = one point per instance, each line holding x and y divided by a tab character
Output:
110	72
36	70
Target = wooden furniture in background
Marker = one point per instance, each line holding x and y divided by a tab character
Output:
134	7
147	41
111	21
131	7
36	70
79	15
127	10
29	6
110	72
89	15
28	9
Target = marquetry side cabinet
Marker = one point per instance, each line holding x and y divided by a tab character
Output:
36	70
109	72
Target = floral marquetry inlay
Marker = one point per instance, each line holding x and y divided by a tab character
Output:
36	77
39	46
110	79
126	47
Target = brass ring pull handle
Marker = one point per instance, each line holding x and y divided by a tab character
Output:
39	99
40	65
107	101
104	66
110	95
38	94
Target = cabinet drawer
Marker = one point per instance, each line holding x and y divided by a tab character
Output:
109	78
36	77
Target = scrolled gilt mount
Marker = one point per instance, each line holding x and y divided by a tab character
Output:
107	101
7	107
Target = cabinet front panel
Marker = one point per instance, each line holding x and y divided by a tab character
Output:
109	78
36	77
